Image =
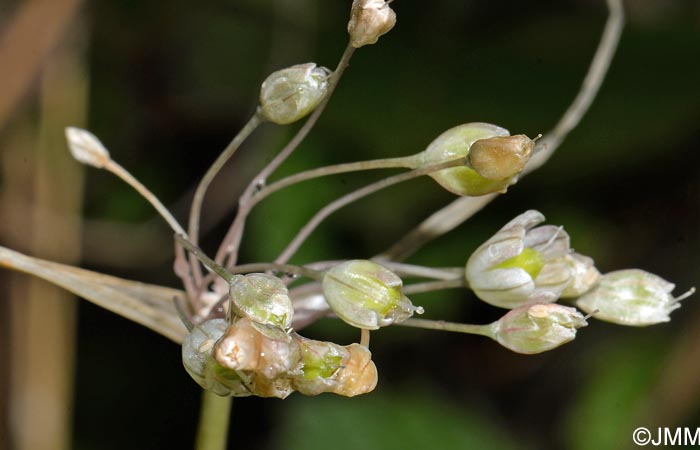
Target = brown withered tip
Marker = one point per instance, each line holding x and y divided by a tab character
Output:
359	376
498	158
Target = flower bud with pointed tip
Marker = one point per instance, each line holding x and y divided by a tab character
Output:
456	143
500	157
369	19
264	299
290	94
86	147
584	275
203	368
366	294
328	367
631	297
537	328
521	263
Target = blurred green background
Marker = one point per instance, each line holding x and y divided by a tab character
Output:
171	82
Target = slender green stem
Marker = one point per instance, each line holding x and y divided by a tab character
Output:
287	268
354	196
387	163
482	330
208	262
122	173
213	422
430	286
196	210
228	251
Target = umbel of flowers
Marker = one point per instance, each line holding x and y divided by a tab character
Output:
244	320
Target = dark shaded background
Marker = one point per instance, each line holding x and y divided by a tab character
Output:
171	82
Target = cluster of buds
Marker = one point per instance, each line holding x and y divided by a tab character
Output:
238	360
526	268
258	352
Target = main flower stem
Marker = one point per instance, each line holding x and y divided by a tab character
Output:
213	422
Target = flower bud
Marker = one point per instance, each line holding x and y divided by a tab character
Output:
243	347
201	365
521	264
290	94
369	19
500	158
366	295
584	275
631	297
264	299
537	328
328	367
86	148
262	363
456	143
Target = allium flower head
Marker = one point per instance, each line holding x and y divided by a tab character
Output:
631	297
521	263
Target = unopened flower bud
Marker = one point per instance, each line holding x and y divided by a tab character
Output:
328	367
264	299
369	19
500	157
457	143
261	364
366	294
290	94
537	328
631	297
584	275
203	368
86	147
521	263
243	347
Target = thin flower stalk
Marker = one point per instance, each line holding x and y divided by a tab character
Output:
198	199
227	254
332	207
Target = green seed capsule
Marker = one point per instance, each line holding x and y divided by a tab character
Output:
264	299
366	294
290	94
